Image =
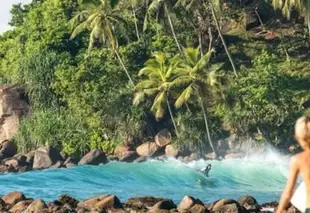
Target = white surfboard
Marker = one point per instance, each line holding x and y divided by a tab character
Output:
299	198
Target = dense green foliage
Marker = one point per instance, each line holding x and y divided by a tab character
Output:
101	72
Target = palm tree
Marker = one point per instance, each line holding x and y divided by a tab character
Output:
196	81
160	8
101	18
303	6
159	71
213	7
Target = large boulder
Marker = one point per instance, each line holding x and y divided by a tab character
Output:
94	157
198	208
108	202
121	151
45	157
8	148
142	203
65	199
223	202
164	204
13	197
147	149
163	138
36	206
171	151
231	208
187	203
249	203
21	206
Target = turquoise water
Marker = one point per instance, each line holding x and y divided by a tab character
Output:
262	177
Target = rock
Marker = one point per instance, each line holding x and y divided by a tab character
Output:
194	156
110	201
130	156
30	157
147	149
21	206
249	203
164	204
58	164
7	168
90	203
234	156
223	202
65	199
36	207
12	162
230	208
94	157
198	208
163	138
171	151
187	203
13	197
142	202
112	158
2	205
211	156
23	169
45	157
140	159
8	148
70	165
121	150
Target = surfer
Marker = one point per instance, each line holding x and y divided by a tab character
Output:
300	163
206	170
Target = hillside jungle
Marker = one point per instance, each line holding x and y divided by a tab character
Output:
103	73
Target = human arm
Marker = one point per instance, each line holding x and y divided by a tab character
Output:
289	188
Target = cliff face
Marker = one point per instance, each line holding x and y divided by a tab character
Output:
14	104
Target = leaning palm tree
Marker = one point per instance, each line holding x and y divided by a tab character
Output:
161	8
196	81
159	71
303	6
101	18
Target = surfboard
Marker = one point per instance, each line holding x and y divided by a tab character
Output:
299	198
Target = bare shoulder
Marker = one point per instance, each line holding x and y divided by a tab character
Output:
300	158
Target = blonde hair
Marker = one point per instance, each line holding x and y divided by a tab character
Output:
302	128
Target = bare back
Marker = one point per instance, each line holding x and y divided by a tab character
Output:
303	162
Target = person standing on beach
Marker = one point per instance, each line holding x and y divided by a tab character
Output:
300	163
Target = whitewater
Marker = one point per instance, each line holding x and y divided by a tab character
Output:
261	176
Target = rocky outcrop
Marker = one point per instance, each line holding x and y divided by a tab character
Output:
171	151
13	198
94	157
16	202
45	157
147	149
163	138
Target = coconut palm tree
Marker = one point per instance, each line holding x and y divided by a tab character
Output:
102	18
159	72
195	80
303	6
212	5
161	8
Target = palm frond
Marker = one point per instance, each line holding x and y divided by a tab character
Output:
184	97
138	98
145	84
204	60
159	105
181	81
80	28
192	55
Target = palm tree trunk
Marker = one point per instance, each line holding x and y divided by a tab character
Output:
135	20
173	121
222	38
200	43
206	122
172	30
123	66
